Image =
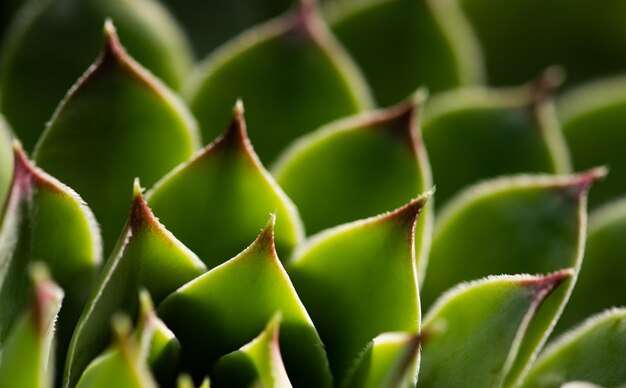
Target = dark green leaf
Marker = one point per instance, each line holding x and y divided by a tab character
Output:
403	44
227	307
216	202
359	280
292	75
55	40
117	123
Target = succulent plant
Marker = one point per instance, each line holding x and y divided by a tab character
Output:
298	243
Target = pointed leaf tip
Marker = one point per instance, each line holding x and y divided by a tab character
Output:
47	294
546	84
140	213
580	184
542	286
236	133
409	213
112	47
265	240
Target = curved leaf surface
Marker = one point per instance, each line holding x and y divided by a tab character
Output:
216	202
474	333
402	45
117	123
225	308
6	161
292	74
359	280
62	37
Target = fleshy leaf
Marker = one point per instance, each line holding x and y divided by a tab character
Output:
402	45
46	221
6	161
587	42
210	23
164	357
474	333
475	134
291	73
184	381
146	255
593	352
258	363
359	280
593	119
523	224
604	268
216	202
389	361
62	37
26	359
117	123
227	307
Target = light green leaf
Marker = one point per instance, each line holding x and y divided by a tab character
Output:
164	356
593	352
26	359
6	161
61	37
227	307
147	255
604	269
587	42
594	117
216	202
184	381
46	221
359	280
117	123
401	45
475	331
291	73
258	363
389	361
467	131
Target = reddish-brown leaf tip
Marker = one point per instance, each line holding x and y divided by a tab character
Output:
542	286
140	214
265	240
580	184
47	295
407	215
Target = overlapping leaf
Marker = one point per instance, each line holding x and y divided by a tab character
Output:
26	359
593	352
474	333
147	255
60	38
6	160
475	134
216	202
117	123
593	119
401	45
164	356
291	73
359	280
227	307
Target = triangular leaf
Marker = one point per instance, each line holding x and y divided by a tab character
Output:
466	131
26	357
147	255
359	280
401	45
61	37
474	333
291	73
227	307
593	352
216	202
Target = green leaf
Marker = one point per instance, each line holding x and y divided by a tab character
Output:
593	119
291	73
61	38
475	331
258	363
216	202
604	268
227	307
211	23
359	280
466	131
6	161
147	255
164	356
390	360
403	44
593	352
26	357
184	381
523	224
587	42
37	207
117	123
